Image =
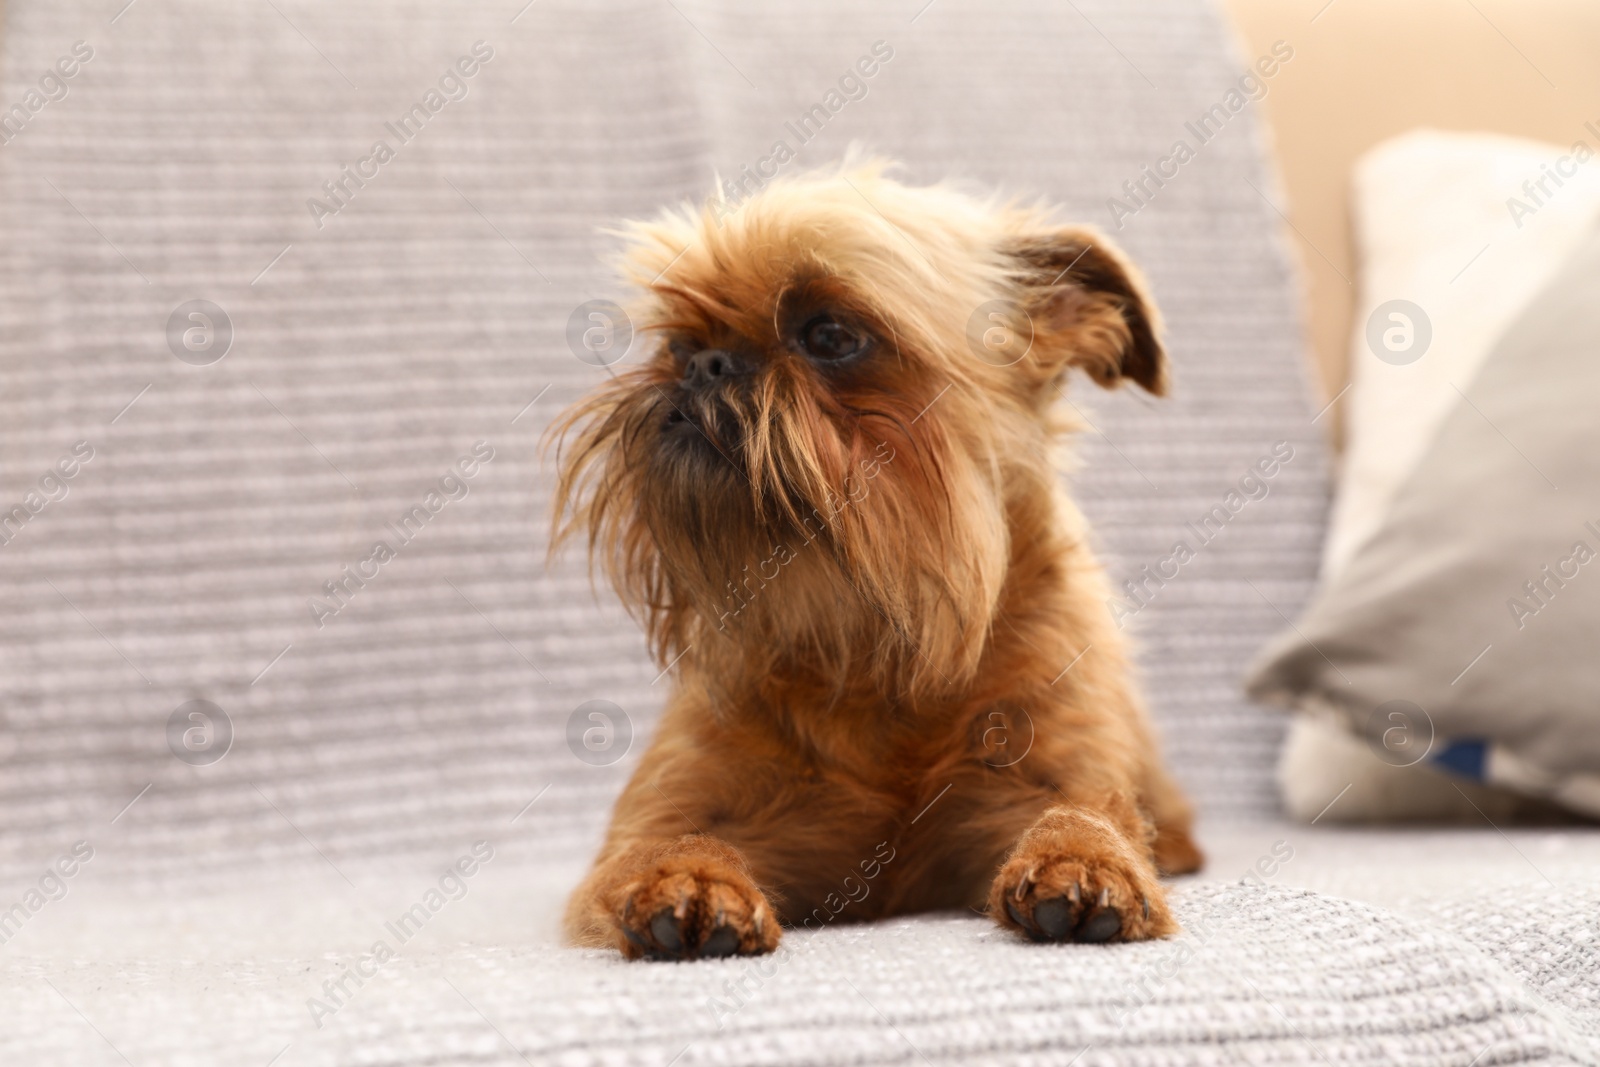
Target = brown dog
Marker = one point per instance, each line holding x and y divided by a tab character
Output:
829	496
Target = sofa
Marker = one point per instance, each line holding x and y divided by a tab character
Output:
285	282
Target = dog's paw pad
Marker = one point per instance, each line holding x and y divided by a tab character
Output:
667	929
724	941
1053	918
1099	926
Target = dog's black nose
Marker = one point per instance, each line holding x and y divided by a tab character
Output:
710	367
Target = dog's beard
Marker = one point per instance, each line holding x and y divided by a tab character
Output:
799	535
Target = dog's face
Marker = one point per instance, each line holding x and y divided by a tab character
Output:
846	389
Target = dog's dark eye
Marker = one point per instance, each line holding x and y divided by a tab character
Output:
825	337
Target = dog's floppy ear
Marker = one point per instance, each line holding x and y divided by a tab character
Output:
1088	308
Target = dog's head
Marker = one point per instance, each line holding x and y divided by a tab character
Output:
844	399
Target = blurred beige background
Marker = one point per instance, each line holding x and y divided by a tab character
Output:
1365	70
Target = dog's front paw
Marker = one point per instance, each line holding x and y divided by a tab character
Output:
688	907
1054	890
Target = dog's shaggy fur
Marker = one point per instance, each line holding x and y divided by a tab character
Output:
835	509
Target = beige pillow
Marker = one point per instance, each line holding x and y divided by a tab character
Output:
1434	227
1437	228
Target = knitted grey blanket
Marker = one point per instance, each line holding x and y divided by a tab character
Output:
283	282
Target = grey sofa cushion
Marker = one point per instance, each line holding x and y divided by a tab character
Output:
1463	630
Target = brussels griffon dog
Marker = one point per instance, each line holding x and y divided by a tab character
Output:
828	494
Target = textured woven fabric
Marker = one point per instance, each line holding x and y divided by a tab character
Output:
1440	956
372	346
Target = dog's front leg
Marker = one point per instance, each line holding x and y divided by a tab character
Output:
1083	872
683	897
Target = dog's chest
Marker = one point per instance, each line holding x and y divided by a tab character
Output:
846	841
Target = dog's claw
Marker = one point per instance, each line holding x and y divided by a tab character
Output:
1105	896
1147	908
1073	894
